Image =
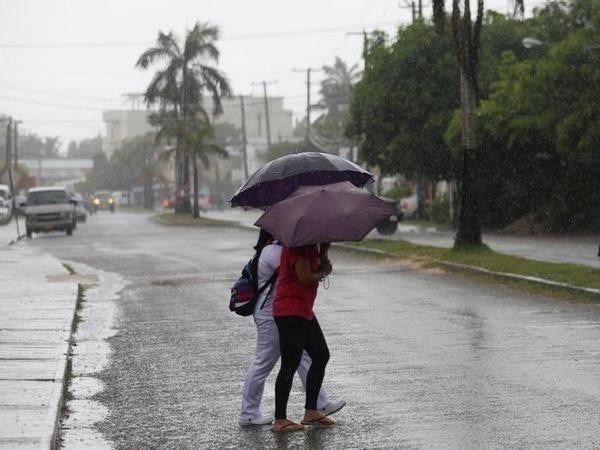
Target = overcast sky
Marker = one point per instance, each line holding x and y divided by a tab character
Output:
63	61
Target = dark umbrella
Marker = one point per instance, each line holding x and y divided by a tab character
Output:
332	213
279	178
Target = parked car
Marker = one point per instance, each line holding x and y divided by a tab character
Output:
49	209
79	207
409	205
390	225
7	201
103	200
4	211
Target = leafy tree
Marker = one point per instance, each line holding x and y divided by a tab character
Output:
135	163
227	134
402	106
86	148
537	128
283	148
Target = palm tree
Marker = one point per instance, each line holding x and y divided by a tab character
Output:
336	91
178	89
202	143
467	39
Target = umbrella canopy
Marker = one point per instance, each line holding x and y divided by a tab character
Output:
333	213
279	178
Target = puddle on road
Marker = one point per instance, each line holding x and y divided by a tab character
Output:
91	354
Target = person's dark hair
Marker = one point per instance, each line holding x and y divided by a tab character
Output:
263	239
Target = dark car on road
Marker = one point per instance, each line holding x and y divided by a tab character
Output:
103	200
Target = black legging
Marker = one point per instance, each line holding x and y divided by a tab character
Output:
295	335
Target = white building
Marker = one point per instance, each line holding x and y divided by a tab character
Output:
126	124
280	119
122	125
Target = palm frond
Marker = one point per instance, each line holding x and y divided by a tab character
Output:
218	80
165	155
199	43
166	49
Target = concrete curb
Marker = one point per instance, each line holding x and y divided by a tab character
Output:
517	277
463	267
480	270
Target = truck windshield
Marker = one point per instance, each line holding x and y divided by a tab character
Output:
47	198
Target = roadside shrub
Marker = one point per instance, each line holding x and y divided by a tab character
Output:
398	192
439	210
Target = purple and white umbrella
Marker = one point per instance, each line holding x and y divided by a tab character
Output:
279	178
332	213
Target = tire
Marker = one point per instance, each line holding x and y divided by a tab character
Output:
69	230
387	227
29	233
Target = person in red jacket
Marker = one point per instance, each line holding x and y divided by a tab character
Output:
300	270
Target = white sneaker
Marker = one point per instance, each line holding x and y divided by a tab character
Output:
260	420
332	407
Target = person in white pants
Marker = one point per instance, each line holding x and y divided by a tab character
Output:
267	343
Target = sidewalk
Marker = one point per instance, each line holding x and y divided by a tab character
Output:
581	250
37	305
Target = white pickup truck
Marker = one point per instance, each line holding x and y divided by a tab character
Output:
49	209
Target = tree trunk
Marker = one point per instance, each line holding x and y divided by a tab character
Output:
187	204
148	200
469	228
178	181
196	193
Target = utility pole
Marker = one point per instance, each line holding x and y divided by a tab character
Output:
16	143
308	105
417	11
259	124
8	156
267	121
9	144
364	34
244	141
268	125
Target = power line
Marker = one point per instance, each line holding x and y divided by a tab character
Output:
50	105
61	94
280	34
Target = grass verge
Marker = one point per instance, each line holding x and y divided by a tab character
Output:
69	268
483	258
134	209
189	220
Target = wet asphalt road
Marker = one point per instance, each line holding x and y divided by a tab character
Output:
424	359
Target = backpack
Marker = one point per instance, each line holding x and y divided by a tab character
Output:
245	291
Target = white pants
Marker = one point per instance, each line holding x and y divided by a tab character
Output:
267	354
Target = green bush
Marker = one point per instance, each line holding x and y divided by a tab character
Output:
439	210
398	192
